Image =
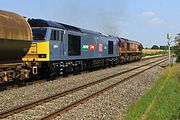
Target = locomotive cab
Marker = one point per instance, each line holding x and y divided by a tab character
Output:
45	39
39	50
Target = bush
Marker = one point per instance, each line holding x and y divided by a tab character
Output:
178	59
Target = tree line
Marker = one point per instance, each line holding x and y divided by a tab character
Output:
155	47
175	49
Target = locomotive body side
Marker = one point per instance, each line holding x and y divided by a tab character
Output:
130	50
134	50
68	48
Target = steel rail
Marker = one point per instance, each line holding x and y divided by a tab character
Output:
38	102
17	84
83	100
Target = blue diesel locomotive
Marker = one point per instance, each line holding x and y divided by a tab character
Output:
61	49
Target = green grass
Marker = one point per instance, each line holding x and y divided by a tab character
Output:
162	102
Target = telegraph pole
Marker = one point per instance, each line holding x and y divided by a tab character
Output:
169	36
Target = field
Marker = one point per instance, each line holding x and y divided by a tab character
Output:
152	52
162	102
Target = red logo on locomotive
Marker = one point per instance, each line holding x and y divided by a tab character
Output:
92	46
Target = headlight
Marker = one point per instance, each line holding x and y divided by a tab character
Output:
41	55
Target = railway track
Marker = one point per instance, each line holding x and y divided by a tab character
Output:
22	83
72	105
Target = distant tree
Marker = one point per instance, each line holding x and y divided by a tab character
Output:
173	47
155	47
163	47
177	48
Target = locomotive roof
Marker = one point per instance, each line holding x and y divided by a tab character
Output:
130	41
90	32
45	23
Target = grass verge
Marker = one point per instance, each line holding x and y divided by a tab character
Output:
162	101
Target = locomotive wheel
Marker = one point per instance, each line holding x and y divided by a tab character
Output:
48	72
76	70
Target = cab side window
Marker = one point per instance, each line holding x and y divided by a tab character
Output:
55	35
110	47
128	46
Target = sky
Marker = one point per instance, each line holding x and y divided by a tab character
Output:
146	21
